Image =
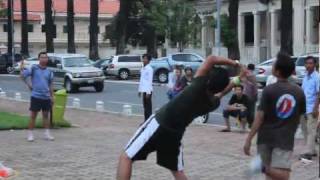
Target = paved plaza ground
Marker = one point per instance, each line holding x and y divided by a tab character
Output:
91	149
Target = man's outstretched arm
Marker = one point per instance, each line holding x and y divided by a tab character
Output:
214	60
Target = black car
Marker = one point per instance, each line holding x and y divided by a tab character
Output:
6	62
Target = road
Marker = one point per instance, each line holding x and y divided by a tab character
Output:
115	95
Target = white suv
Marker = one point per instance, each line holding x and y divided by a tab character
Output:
124	66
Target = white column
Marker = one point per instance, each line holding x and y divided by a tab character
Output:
298	28
257	19
273	33
203	33
241	27
308	29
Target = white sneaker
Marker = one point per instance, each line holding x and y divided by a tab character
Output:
48	137
30	137
256	165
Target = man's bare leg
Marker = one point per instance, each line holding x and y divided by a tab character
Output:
46	125
33	116
124	167
179	175
32	122
277	174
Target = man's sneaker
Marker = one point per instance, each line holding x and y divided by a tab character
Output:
256	165
48	137
30	138
307	158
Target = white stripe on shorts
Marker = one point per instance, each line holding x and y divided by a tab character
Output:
180	159
142	136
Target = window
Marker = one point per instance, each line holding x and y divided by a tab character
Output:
249	29
129	59
30	27
182	57
301	61
65	29
51	62
195	58
5	28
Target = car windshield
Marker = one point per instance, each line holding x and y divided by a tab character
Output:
77	62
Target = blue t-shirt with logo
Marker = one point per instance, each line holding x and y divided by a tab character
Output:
41	80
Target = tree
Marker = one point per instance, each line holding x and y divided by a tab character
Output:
49	27
177	18
94	30
9	26
233	47
286	27
24	28
122	19
70	26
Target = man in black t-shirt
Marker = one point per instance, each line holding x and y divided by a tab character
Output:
277	119
163	131
238	107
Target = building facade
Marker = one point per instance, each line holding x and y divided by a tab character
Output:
259	27
107	10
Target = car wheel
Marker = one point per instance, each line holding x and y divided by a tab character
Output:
202	119
162	76
71	88
10	70
123	74
99	87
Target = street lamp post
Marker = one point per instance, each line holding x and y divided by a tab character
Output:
218	28
10	30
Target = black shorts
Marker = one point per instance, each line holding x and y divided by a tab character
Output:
152	137
37	104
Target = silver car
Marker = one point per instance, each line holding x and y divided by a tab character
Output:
124	66
73	71
300	68
265	69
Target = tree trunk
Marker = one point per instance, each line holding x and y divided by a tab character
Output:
24	28
94	10
70	27
121	26
286	27
151	42
49	26
9	27
233	50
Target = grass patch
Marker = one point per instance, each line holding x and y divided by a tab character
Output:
15	121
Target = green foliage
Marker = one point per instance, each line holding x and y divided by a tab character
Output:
175	19
14	121
228	35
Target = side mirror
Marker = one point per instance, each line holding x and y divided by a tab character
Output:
59	66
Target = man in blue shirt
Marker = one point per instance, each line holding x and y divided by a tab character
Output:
41	88
310	86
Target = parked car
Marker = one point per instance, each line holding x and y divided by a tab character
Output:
300	68
265	70
73	71
124	66
101	63
6	62
27	63
162	66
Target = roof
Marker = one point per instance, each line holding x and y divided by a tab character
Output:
60	6
66	55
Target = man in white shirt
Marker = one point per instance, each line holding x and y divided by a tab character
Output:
145	86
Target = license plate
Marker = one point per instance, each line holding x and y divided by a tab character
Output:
90	81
